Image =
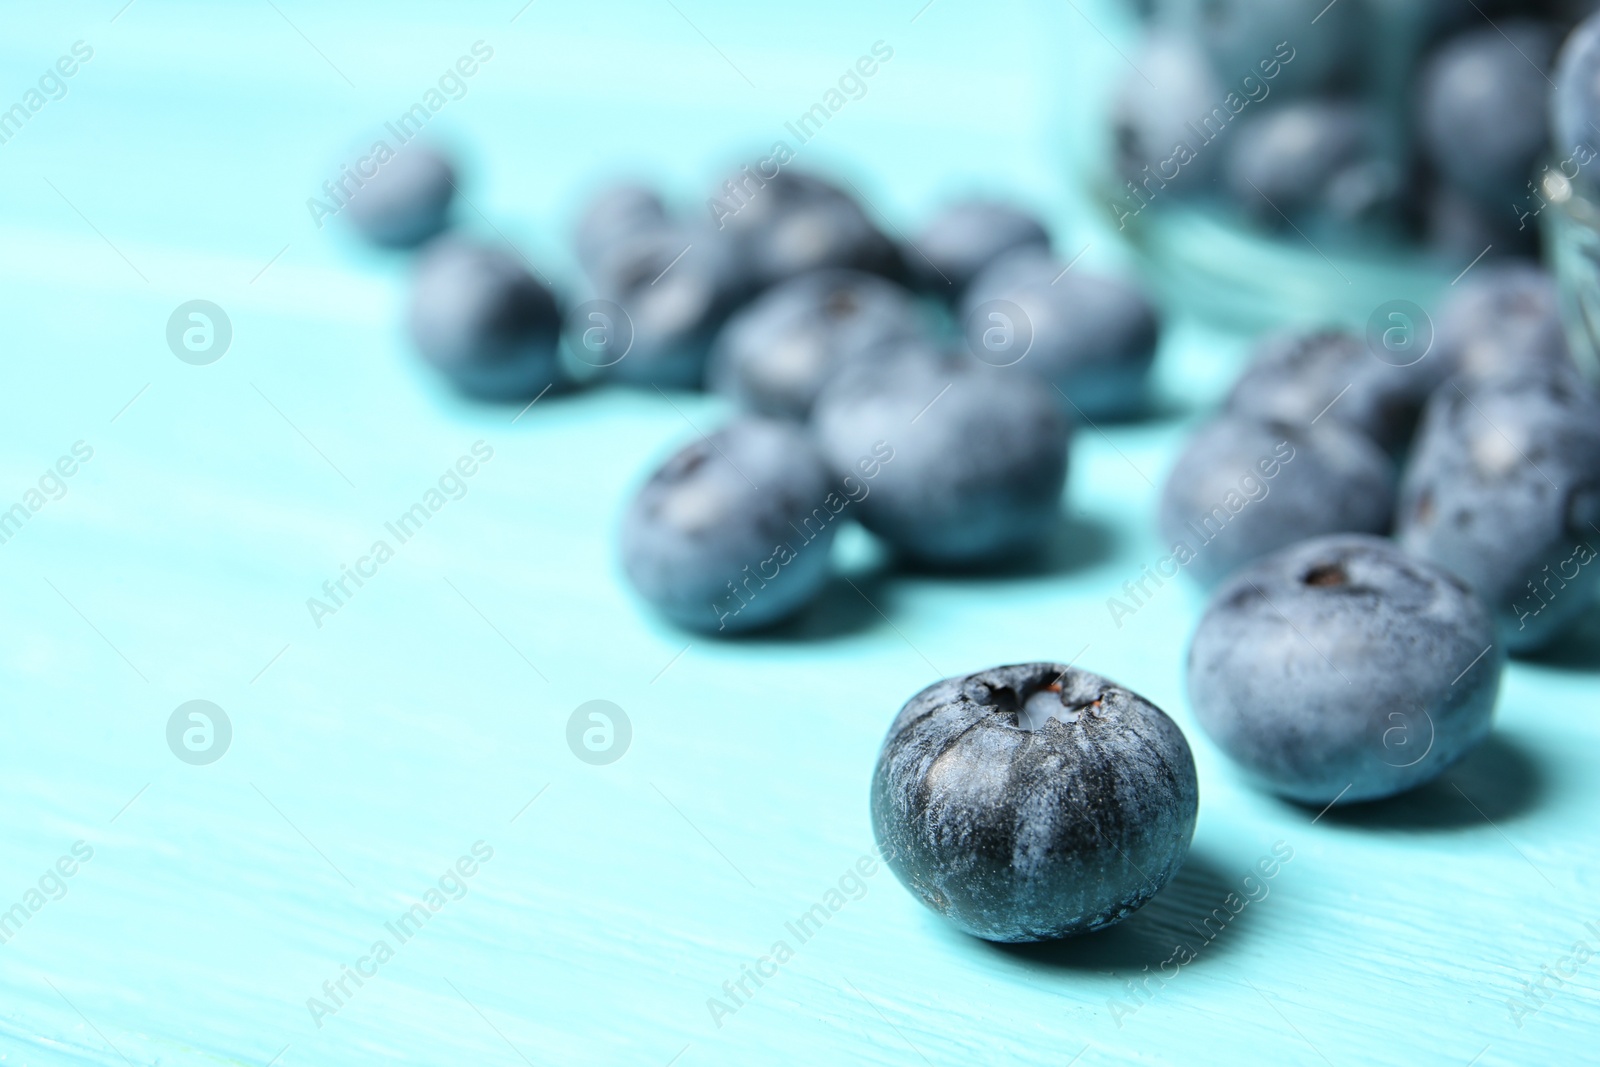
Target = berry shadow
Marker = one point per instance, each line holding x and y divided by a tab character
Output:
846	606
1078	543
1189	912
1499	781
1578	650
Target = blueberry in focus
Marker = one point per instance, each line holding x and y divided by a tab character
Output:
1343	669
1481	101
979	458
1503	488
966	237
1330	375
1243	489
732	533
479	317
792	223
675	289
407	201
1317	163
775	354
1503	319
1035	801
1090	336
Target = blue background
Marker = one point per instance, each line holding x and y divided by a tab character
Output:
372	752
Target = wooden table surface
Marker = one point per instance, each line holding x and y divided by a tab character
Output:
411	746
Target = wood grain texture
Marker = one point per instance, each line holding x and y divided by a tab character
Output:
372	752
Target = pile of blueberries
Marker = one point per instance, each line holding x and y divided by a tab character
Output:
1421	119
859	395
1333	664
1379	526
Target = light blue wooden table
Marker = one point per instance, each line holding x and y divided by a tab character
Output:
415	741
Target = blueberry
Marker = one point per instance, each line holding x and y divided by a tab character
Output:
777	353
1257	38
1092	337
1342	669
732	532
407	201
1504	318
979	459
481	318
1033	801
1329	375
1312	162
1243	489
1460	228
1503	488
675	287
611	215
965	238
792	223
1158	106
1575	101
1481	104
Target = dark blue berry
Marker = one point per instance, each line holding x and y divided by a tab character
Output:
407	201
1329	375
732	533
478	315
979	458
965	238
1091	337
775	355
1034	801
1243	489
1343	669
1481	106
792	223
1503	488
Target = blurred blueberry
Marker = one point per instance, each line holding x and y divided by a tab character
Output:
1092	337
407	201
1034	801
1242	489
1575	102
1460	228
792	223
777	353
1275	41
477	315
612	216
1503	488
1312	162
1342	669
1481	104
675	286
1503	318
732	533
965	238
979	458
1329	375
1158	129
